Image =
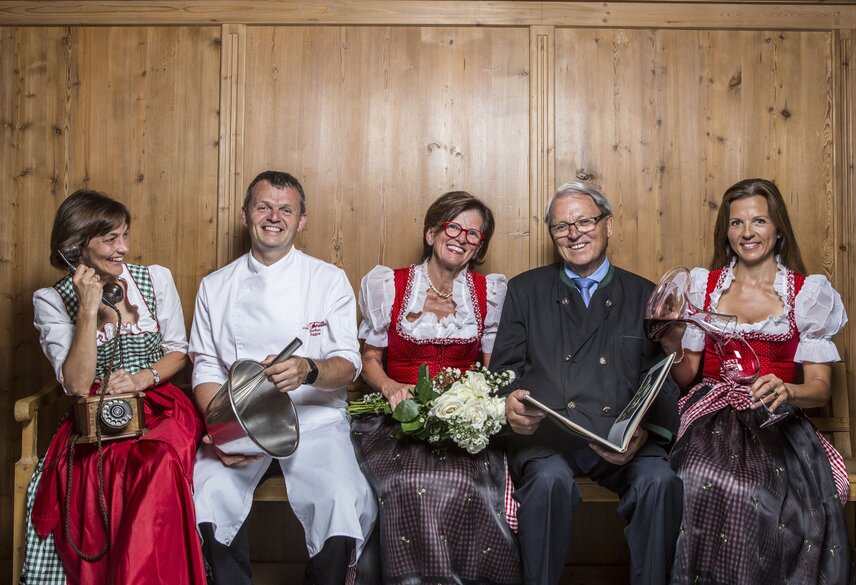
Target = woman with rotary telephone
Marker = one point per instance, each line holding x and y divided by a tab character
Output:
112	497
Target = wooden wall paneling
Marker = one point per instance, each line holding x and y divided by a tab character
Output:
721	15
675	235
721	121
132	112
802	149
180	166
147	133
145	130
33	63
606	132
8	233
844	276
386	120
232	188
542	138
666	120
787	91
108	69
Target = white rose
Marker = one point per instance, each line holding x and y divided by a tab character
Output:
496	408
474	413
461	390
446	406
476	379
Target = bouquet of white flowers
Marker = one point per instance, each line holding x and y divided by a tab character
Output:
451	406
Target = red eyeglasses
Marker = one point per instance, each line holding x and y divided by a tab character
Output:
453	230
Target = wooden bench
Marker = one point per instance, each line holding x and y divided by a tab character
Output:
833	421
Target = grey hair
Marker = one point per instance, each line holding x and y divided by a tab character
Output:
580	188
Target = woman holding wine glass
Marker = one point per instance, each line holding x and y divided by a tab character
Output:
763	493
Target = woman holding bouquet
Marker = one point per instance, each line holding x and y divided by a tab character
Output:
441	513
762	502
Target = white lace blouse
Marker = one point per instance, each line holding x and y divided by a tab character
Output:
377	293
818	311
56	329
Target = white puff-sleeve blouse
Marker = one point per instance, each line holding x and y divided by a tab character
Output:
818	311
56	330
377	293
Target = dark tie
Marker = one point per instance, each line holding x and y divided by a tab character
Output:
584	285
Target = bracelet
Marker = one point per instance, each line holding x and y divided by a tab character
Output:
680	359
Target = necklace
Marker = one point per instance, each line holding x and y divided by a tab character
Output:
443	296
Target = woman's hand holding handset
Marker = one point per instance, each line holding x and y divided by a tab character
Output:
89	288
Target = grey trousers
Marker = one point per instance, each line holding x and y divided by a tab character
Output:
651	503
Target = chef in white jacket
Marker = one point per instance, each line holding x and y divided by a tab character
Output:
251	309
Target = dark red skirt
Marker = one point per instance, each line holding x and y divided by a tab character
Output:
148	490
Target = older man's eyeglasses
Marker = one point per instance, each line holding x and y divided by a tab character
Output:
584	225
453	230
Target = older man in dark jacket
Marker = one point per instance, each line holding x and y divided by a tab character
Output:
573	333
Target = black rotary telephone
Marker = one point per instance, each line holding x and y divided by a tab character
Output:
117	416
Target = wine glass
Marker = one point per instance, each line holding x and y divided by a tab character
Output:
740	365
670	304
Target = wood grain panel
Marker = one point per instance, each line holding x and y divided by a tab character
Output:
231	188
783	16
132	112
386	120
542	141
666	120
145	129
33	63
844	276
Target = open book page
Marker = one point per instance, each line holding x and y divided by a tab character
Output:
568	424
621	432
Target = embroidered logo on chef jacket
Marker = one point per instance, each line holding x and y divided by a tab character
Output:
315	327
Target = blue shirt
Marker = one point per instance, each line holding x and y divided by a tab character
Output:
597	276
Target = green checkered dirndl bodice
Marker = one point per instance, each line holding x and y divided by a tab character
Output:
138	350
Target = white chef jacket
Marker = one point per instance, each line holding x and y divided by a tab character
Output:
247	310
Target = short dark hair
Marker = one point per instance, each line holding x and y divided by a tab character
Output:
84	215
279	180
449	206
786	246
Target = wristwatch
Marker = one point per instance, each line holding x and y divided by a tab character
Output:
312	375
156	376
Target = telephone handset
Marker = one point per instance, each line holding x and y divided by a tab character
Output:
112	293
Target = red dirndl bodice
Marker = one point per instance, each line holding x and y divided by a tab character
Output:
405	353
775	352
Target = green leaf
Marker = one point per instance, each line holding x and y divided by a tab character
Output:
424	390
423	373
406	411
411	427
